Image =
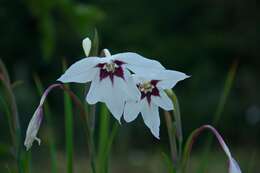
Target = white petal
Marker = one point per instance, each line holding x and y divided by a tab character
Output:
169	78
106	53
86	43
131	110
115	98
33	128
95	93
233	166
163	101
137	63
150	114
130	88
82	71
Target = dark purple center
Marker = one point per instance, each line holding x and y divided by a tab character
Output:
110	70
151	90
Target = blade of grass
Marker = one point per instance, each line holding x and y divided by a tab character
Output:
168	162
68	128
177	119
110	142
220	108
8	117
4	77
103	138
47	114
172	139
92	110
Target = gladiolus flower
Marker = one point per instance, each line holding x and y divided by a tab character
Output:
152	88
110	78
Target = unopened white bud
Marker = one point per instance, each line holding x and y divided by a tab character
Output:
86	43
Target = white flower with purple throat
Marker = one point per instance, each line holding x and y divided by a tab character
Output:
110	77
152	97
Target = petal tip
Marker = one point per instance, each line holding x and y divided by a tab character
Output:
233	166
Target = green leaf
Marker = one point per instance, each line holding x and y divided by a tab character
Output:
177	118
68	129
168	162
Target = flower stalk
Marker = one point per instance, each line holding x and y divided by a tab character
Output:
233	165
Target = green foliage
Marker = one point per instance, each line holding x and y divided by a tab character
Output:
80	17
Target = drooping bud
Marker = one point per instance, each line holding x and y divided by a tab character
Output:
33	128
35	122
233	165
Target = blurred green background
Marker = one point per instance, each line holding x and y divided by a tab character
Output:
201	38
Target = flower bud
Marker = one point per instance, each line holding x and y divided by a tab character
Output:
33	128
86	43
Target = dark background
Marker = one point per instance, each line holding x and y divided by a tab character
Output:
201	38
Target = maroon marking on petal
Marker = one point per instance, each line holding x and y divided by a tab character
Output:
148	97
119	72
154	82
103	74
143	95
100	65
119	63
155	92
111	76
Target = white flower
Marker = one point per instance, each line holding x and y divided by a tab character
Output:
152	88
35	122
110	78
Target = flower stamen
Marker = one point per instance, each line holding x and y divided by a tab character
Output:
110	67
146	87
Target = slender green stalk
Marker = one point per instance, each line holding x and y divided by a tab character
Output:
92	111
177	119
69	132
220	108
8	116
15	117
168	162
103	138
109	144
68	129
172	139
92	151
47	114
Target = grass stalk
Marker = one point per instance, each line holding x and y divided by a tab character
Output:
68	129
171	134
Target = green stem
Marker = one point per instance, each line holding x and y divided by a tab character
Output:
68	128
177	118
69	132
172	139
